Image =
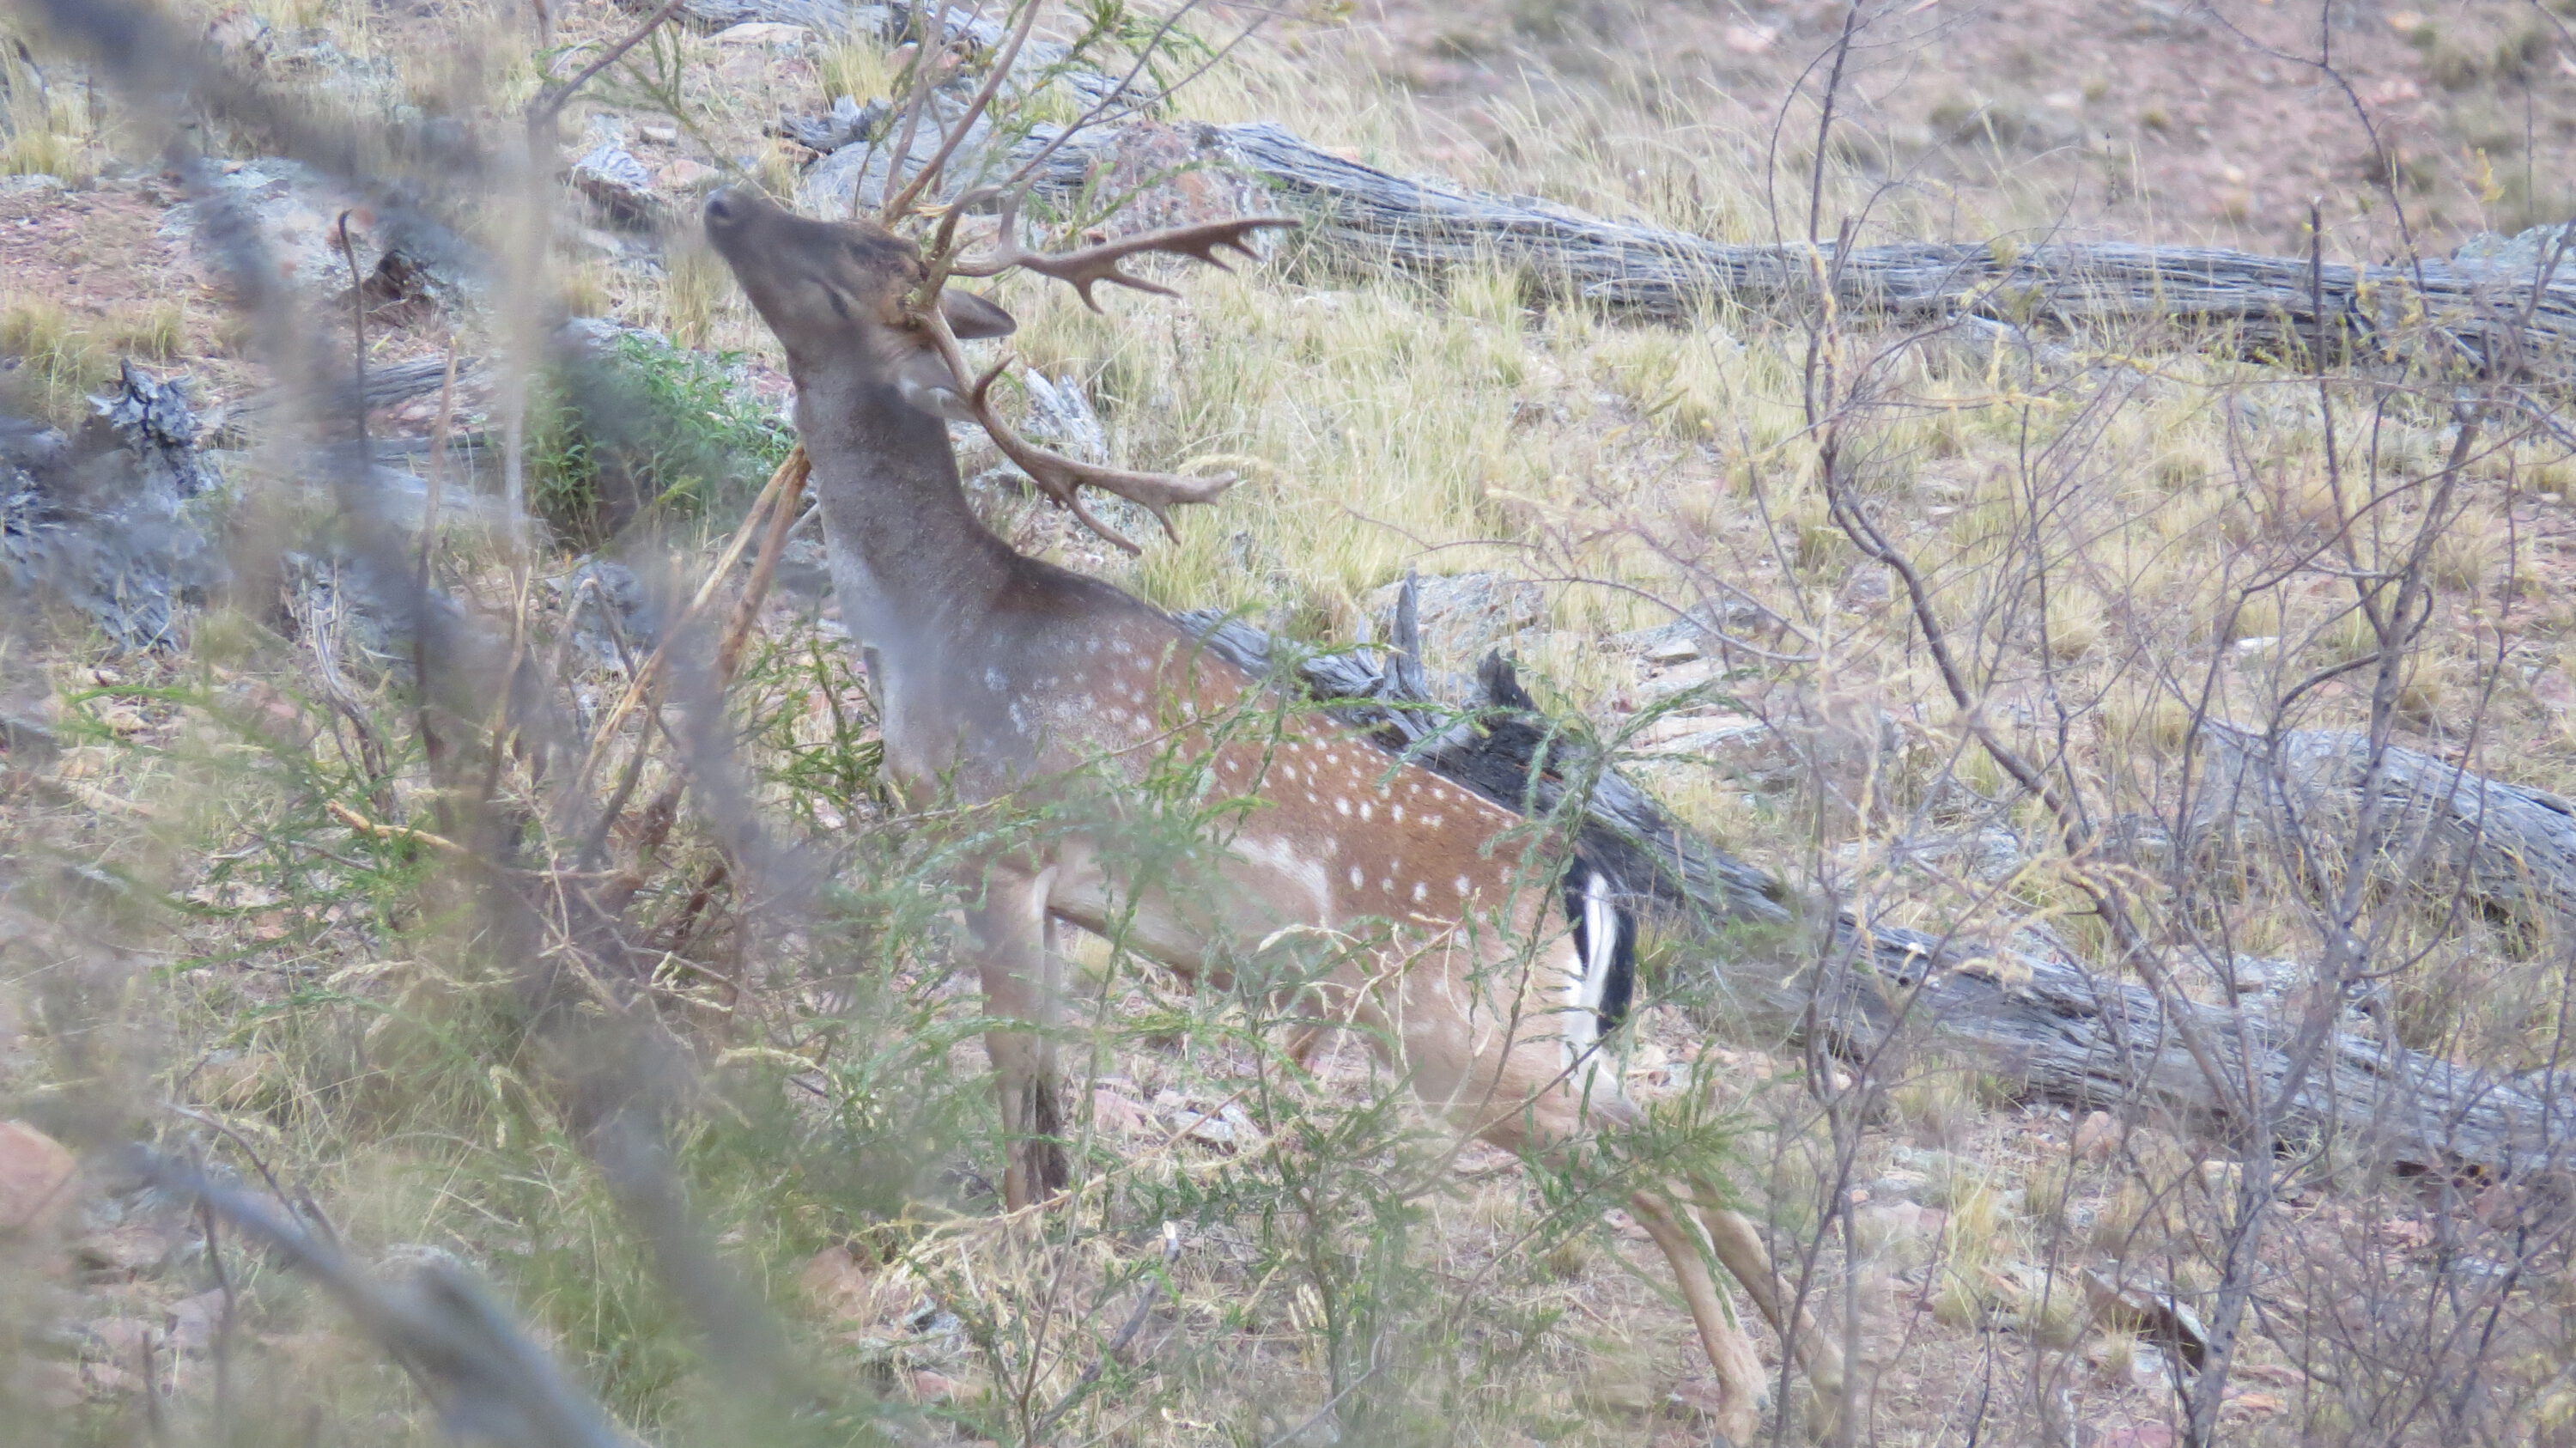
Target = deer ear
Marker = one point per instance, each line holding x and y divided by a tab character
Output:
973	318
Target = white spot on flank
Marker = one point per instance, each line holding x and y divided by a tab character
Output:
1399	814
1343	805
1285	858
1387	884
1367	810
994	681
1356	877
1420	890
1460	884
1436	821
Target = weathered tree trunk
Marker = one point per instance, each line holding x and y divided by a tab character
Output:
2061	1032
2494	320
2506	848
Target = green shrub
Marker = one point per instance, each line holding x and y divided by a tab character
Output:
644	430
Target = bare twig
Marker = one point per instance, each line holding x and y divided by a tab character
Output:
551	101
444	1329
899	205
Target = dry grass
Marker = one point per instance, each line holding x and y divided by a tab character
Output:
309	992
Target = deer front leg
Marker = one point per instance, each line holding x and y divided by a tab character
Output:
1730	1352
1022	976
1739	1246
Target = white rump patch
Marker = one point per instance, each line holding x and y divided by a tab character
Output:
1601	954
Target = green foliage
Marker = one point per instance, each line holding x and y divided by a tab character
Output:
645	430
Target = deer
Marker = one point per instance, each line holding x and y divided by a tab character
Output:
1484	975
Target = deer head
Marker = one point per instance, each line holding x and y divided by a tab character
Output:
855	295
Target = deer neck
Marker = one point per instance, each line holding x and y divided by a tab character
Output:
913	567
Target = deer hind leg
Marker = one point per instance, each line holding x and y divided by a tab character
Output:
1023	977
1739	1246
1730	1352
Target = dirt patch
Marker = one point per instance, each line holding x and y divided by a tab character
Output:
2141	118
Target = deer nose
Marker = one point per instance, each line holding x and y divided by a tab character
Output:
724	207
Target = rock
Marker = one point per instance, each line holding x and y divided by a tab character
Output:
1462	616
1698	1398
1676	649
2219	1178
285	216
804	573
1061	418
1868	587
617	184
1703	629
2524	253
1738	744
1987	855
2096	1137
1175	176
860	169
1116	1115
126	1249
927	1386
687	175
38	1179
1223	1125
846	124
33	186
1886	1223
194	1321
606	607
2155	1316
111	524
1682	678
839	1285
766	32
598	336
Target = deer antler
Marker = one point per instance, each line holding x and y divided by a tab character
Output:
1094	264
1062	478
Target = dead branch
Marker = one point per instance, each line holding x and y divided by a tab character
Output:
488	1378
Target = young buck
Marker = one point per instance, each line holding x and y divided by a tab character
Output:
998	675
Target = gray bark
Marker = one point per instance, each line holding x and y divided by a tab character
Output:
2506	848
2493	318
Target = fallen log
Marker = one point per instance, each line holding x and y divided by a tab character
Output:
1796	968
2492	319
2504	847
2502	312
